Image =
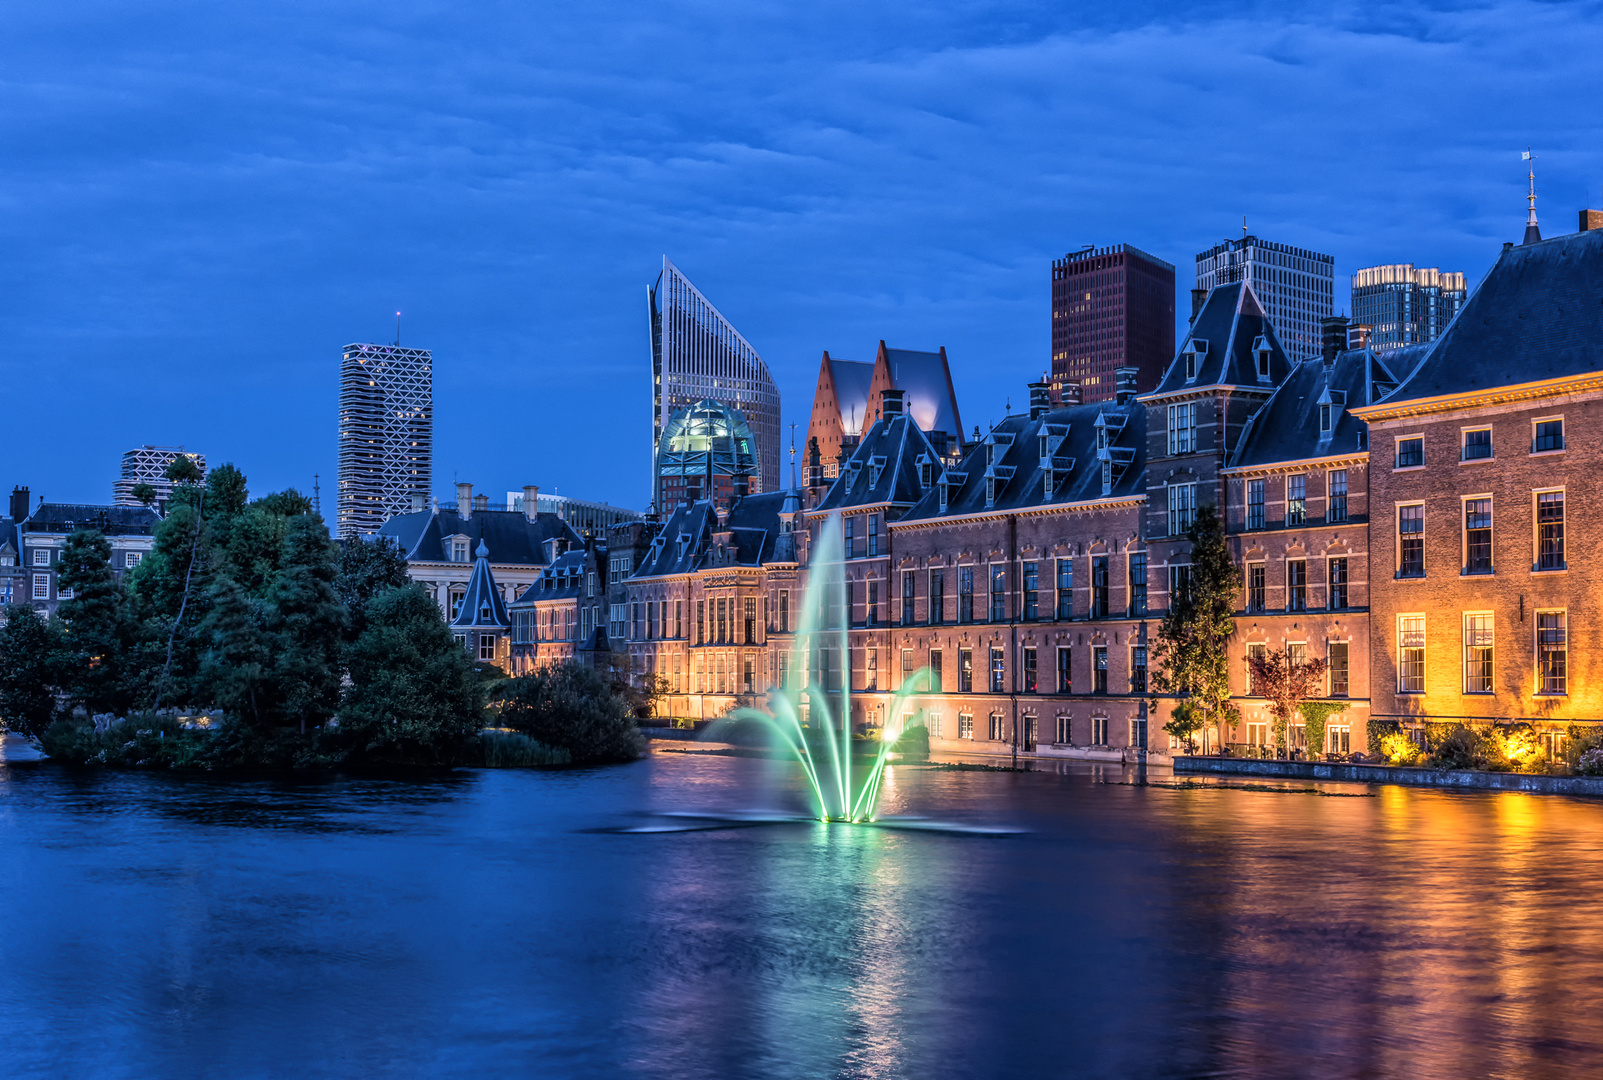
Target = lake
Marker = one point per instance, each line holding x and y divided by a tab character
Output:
501	923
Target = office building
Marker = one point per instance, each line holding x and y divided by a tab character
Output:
1294	285
1403	305
148	465
697	355
1112	307
386	459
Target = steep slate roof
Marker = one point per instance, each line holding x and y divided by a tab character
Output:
1231	322
1287	427
562	580
926	380
1012	453
111	520
482	606
895	447
753	525
1537	315
851	379
509	534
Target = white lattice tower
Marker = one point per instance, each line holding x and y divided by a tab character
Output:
386	434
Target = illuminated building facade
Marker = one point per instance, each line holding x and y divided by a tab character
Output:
1403	305
1112	307
386	445
707	451
1295	286
847	400
697	355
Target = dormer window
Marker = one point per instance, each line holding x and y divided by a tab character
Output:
926	472
990	492
1107	477
1046	483
1325	419
459	549
1195	351
1261	353
941	490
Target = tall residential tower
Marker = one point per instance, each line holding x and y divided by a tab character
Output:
148	465
1294	285
386	434
695	356
1112	307
1402	305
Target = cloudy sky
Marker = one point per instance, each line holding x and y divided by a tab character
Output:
200	203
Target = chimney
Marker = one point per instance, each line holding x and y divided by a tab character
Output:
531	501
1591	219
1333	336
464	501
1040	399
1071	393
891	403
481	502
1198	298
19	504
1358	335
553	548
742	486
1124	383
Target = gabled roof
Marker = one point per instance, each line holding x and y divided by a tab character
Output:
110	520
925	378
851	380
685	543
883	467
482	606
564	579
514	539
1226	336
1287	427
1011	456
1537	315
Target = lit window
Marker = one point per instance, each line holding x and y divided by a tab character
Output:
998	671
965	725
1411	654
1478	654
1551	653
1182	508
1296	499
1550	530
1337	509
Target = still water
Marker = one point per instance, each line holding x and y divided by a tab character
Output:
495	923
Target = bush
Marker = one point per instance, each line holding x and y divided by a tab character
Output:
1398	749
914	743
1460	748
569	706
1511	748
510	750
1591	762
142	741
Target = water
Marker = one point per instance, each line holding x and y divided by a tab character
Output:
492	924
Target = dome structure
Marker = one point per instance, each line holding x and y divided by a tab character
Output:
707	450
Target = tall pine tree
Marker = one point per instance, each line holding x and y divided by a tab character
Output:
98	626
1192	648
28	669
308	622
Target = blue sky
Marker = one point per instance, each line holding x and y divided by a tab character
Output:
200	203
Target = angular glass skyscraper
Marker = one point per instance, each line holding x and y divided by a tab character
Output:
697	355
386	435
1403	305
1295	286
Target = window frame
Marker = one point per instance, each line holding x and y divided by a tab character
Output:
1464	534
1536	530
1335	500
1397	455
1397	534
1563	440
1256	500
1488	679
1296	512
1180	517
1331	584
1404	667
1463	444
1563	652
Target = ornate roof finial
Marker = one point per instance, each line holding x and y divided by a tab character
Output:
1532	233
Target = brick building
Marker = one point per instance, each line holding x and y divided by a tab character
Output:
1112	307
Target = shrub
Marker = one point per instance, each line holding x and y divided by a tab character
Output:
1591	762
569	706
1511	748
1460	748
142	741
1397	748
914	743
510	750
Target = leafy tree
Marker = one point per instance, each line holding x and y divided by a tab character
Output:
414	697
1286	681
236	665
28	665
572	706
308	620
98	625
367	569
1191	650
144	494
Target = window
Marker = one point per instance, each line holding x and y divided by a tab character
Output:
998	730
1099	731
1551	653
456	603
1138	670
1548	436
1411	452
1138	583
872	681
965	725
784	611
1183	428
1191	365
1028	674
1255	586
998	671
1099	669
1182	508
1336	574
459	550
1296	585
1341	738
701	621
1254	504
1336	507
1477	536
133	558
1065	588
965	671
1065	670
965	594
873	534
1065	730
1263	363
1179	583
1410	654
1327	414
871	615
1340	673
907	665
1138	732
1411	541
1477	444
937	612
487	646
1032	595
936	685
1254	652
849	537
749	623
724	620
1296	499
999	592
907	597
651	619
678	618
1099	586
41	586
1478	654
1550	530
41	556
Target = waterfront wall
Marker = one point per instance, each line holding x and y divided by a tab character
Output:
1391	774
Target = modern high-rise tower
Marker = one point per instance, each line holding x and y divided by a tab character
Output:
148	465
1112	307
1402	305
386	434
1294	285
697	355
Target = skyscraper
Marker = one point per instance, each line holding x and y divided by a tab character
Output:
148	465
1405	306
1112	307
386	434
1294	285
697	355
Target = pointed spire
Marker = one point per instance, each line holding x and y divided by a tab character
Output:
1532	232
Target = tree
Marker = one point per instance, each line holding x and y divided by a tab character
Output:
144	494
99	627
28	665
1191	654
308	622
1287	681
414	697
368	568
572	706
235	667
